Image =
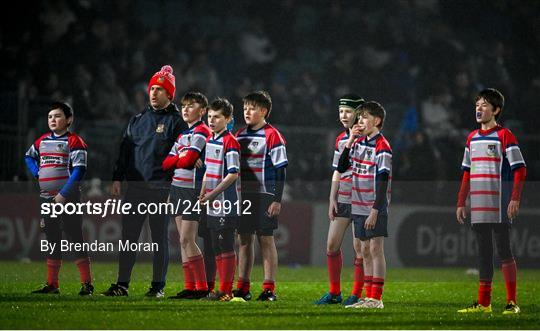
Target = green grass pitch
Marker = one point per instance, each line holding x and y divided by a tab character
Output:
413	298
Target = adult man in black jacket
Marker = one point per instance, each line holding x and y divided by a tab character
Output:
146	142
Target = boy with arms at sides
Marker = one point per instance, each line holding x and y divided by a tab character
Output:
493	175
185	187
339	213
370	156
220	194
264	160
58	160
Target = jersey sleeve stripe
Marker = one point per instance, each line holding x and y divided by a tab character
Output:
383	169
282	164
517	165
384	152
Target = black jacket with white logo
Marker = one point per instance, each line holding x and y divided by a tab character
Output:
146	141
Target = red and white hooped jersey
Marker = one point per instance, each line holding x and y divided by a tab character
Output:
195	139
345	181
369	157
222	158
56	157
490	156
262	152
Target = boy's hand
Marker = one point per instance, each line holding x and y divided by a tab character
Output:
355	133
199	164
59	198
274	209
116	188
204	198
461	214
332	210
371	220
513	209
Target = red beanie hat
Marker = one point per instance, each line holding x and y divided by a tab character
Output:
165	79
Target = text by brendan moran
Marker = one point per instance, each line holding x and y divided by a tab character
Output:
121	246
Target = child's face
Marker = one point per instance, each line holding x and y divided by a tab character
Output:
58	123
192	111
368	123
159	97
346	116
217	121
254	115
485	112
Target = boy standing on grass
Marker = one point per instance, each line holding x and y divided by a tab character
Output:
57	160
370	155
339	213
493	175
185	188
264	160
220	194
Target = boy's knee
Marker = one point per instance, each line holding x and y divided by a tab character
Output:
245	239
332	246
366	254
376	252
184	242
505	253
266	242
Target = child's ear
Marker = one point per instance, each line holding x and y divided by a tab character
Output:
497	111
70	120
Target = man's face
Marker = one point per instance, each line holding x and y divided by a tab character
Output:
254	115
159	97
484	111
192	111
58	123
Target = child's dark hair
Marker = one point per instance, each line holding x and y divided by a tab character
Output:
261	99
375	109
493	97
222	104
64	107
197	97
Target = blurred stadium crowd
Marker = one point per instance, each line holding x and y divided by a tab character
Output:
424	60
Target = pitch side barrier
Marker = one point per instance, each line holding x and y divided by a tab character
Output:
420	234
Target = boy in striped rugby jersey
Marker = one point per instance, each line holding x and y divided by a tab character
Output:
493	175
58	161
370	155
264	162
220	194
339	214
185	187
